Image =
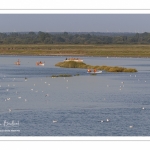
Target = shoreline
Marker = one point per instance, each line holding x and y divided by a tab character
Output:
70	55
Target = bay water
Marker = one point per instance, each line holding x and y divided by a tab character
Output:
32	103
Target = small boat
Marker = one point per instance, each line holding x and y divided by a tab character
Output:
74	59
94	71
100	71
18	62
40	63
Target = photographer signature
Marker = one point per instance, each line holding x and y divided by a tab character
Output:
10	124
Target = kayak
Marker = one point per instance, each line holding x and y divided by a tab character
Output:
39	64
18	62
95	72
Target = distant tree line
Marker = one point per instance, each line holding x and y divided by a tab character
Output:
74	38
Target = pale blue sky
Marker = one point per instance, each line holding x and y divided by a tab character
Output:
75	22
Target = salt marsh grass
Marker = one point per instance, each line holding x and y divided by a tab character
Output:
117	50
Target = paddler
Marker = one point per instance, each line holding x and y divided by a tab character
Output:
95	70
89	70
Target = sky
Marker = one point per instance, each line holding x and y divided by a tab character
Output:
75	22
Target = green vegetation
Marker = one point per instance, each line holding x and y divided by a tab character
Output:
74	38
61	75
79	44
77	50
72	64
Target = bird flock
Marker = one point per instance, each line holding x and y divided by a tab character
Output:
123	86
41	92
15	91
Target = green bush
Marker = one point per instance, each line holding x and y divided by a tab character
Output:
73	64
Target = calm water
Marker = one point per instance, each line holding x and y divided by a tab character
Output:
73	106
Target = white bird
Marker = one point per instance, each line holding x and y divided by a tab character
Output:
9	110
130	126
143	108
54	121
107	120
31	89
102	121
46	95
8	99
7	90
19	97
25	100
